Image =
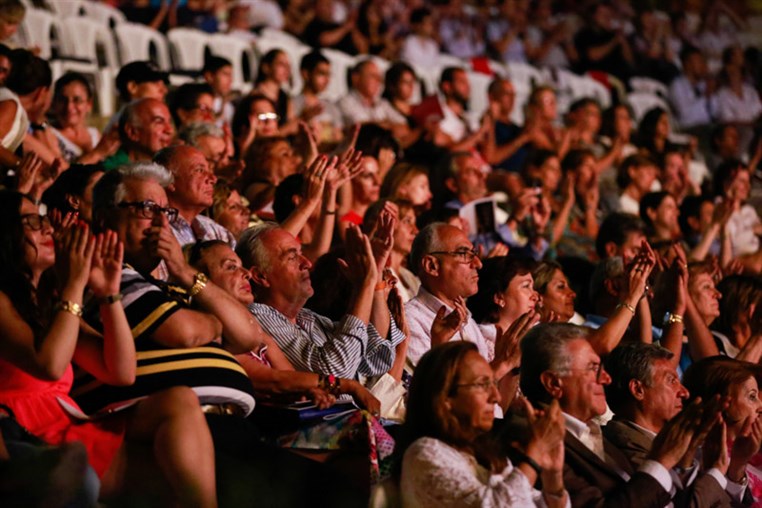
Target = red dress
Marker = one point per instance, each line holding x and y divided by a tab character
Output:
35	404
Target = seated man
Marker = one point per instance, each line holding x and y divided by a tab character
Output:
191	192
363	342
363	103
645	393
447	265
131	200
559	363
620	234
468	182
322	115
145	127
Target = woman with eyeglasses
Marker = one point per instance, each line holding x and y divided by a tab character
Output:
255	117
42	333
273	74
450	459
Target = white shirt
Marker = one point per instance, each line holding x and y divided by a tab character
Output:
691	104
420	312
732	108
421	51
457	127
354	109
741	230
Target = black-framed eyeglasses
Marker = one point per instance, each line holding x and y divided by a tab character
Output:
35	221
149	209
465	256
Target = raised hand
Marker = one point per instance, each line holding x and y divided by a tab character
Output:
315	177
106	266
312	143
164	244
507	343
548	429
748	441
382	240
348	167
446	325
359	265
672	443
715	450
74	253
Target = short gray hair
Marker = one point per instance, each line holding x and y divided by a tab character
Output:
191	132
545	348
631	361
250	247
111	189
427	240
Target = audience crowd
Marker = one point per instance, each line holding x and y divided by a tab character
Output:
221	297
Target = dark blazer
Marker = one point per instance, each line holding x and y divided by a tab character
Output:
593	483
634	443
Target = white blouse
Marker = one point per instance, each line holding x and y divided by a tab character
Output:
436	475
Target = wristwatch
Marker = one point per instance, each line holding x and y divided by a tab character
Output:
199	283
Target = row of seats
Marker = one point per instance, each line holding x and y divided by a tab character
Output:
96	39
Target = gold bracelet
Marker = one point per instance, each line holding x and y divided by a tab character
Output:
674	318
199	283
108	300
72	308
626	306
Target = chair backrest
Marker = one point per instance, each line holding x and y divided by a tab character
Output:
525	75
42	29
240	53
68	8
341	64
270	39
188	46
103	13
91	41
139	42
648	85
641	102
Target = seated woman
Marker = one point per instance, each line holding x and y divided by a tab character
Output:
228	209
40	341
450	460
365	190
738	382
409	182
506	296
557	298
735	326
575	230
273	74
659	212
72	105
269	161
254	117
72	192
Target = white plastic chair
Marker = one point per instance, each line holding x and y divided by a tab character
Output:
271	38
478	101
42	29
139	42
188	47
240	53
91	41
641	102
104	14
648	85
341	64
67	8
525	75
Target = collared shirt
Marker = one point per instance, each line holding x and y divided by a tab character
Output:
317	344
421	311
200	230
692	105
582	432
354	109
454	125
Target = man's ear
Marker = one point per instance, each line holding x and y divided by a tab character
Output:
430	265
451	184
612	287
131	131
552	384
258	277
132	88
610	249
637	390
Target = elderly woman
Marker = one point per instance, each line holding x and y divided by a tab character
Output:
449	460
228	209
738	382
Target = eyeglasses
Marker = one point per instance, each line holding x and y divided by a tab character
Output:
264	117
149	209
204	109
35	221
482	386
465	256
595	368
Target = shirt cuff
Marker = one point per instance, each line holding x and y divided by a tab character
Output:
354	327
717	475
736	491
658	473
